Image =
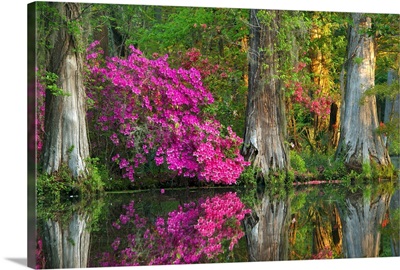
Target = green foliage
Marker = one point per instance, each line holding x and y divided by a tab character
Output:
74	28
49	189
358	60
50	80
297	163
308	165
335	170
62	185
248	178
298	202
62	211
97	175
383	91
366	171
70	149
276	184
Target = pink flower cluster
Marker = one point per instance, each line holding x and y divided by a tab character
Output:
146	108
193	233
320	105
314	101
193	59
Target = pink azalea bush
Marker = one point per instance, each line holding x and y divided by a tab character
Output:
313	101
193	233
150	111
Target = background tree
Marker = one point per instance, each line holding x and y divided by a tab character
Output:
359	142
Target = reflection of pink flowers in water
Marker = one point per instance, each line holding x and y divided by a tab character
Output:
193	233
325	253
40	259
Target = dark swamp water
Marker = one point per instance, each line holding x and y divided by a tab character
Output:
187	226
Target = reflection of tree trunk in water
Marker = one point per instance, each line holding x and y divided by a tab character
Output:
395	234
321	233
337	234
267	231
327	233
362	219
67	246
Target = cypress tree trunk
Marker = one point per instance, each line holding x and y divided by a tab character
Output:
65	120
265	126
359	141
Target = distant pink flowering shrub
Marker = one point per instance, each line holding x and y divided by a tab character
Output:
149	110
193	233
314	101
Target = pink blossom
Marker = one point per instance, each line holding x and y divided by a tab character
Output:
164	107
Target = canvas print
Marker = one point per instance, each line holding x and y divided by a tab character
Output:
163	135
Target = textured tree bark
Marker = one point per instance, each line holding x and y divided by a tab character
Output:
265	112
267	231
359	141
67	245
65	120
362	219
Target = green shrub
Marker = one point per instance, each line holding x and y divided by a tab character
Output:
297	162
